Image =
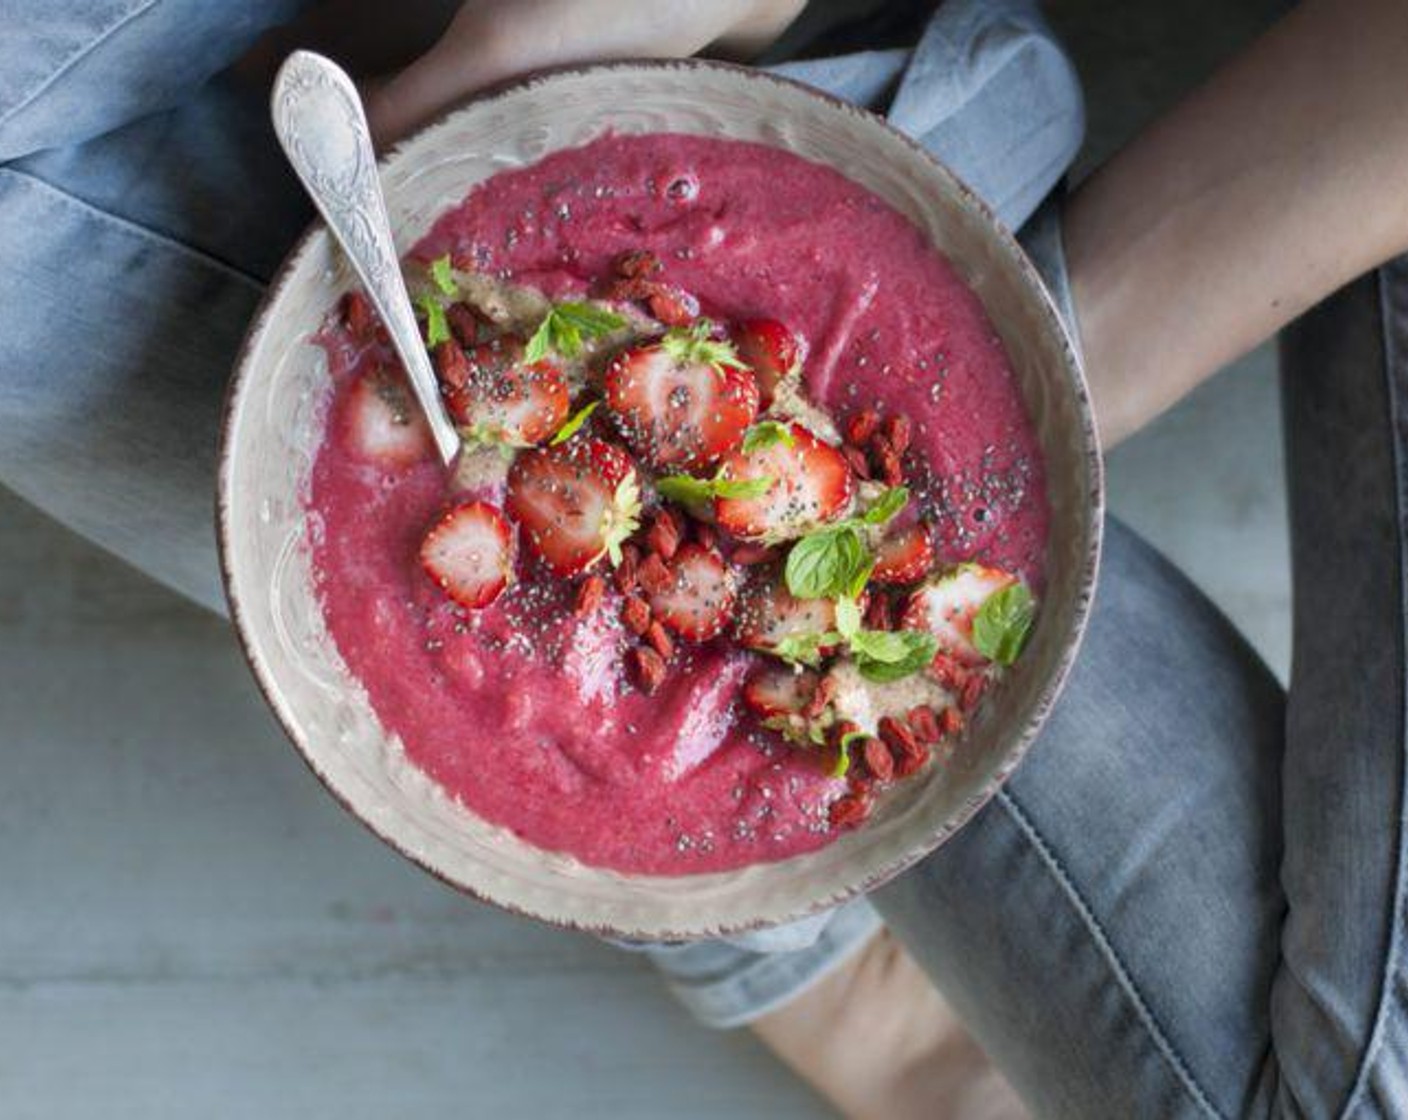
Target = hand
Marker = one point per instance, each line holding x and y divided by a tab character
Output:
489	41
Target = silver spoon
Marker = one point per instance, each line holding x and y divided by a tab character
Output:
320	123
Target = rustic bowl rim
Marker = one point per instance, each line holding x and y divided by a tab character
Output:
1050	690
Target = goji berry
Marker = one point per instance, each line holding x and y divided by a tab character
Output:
879	761
848	810
653	575
898	431
648	668
663	537
638	262
660	640
590	594
925	724
627	569
855	458
861	426
635	615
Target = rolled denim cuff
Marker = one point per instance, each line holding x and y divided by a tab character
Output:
731	983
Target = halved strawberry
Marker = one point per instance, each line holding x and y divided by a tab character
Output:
771	351
769	613
903	555
773	690
496	397
698	600
681	401
381	422
946	604
469	554
781	698
811	484
575	503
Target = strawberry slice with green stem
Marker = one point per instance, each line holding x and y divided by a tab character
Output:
682	401
575	502
469	554
773	620
977	614
496	396
782	699
812	485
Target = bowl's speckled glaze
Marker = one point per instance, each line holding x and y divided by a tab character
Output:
273	424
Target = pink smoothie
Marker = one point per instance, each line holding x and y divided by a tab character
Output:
522	710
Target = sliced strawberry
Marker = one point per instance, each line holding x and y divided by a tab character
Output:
697	601
779	695
811	484
381	422
904	555
682	401
469	554
768	613
574	503
946	604
492	393
771	351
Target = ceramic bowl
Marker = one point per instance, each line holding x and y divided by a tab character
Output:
273	426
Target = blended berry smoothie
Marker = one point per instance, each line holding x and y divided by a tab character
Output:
524	710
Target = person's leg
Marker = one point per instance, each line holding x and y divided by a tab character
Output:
1340	1002
1107	926
132	263
1112	928
131	266
73	71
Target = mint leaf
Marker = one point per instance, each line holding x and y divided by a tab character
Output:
541	343
843	754
890	646
827	564
688	490
695	344
1001	626
573	424
444	278
437	327
884	655
861	576
587	319
564	327
847	617
742	489
685	489
804	649
764	434
886	506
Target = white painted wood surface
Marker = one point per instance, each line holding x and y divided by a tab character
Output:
190	926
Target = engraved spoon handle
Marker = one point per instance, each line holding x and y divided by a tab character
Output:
319	120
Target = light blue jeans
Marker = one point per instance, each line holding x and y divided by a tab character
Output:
1189	900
